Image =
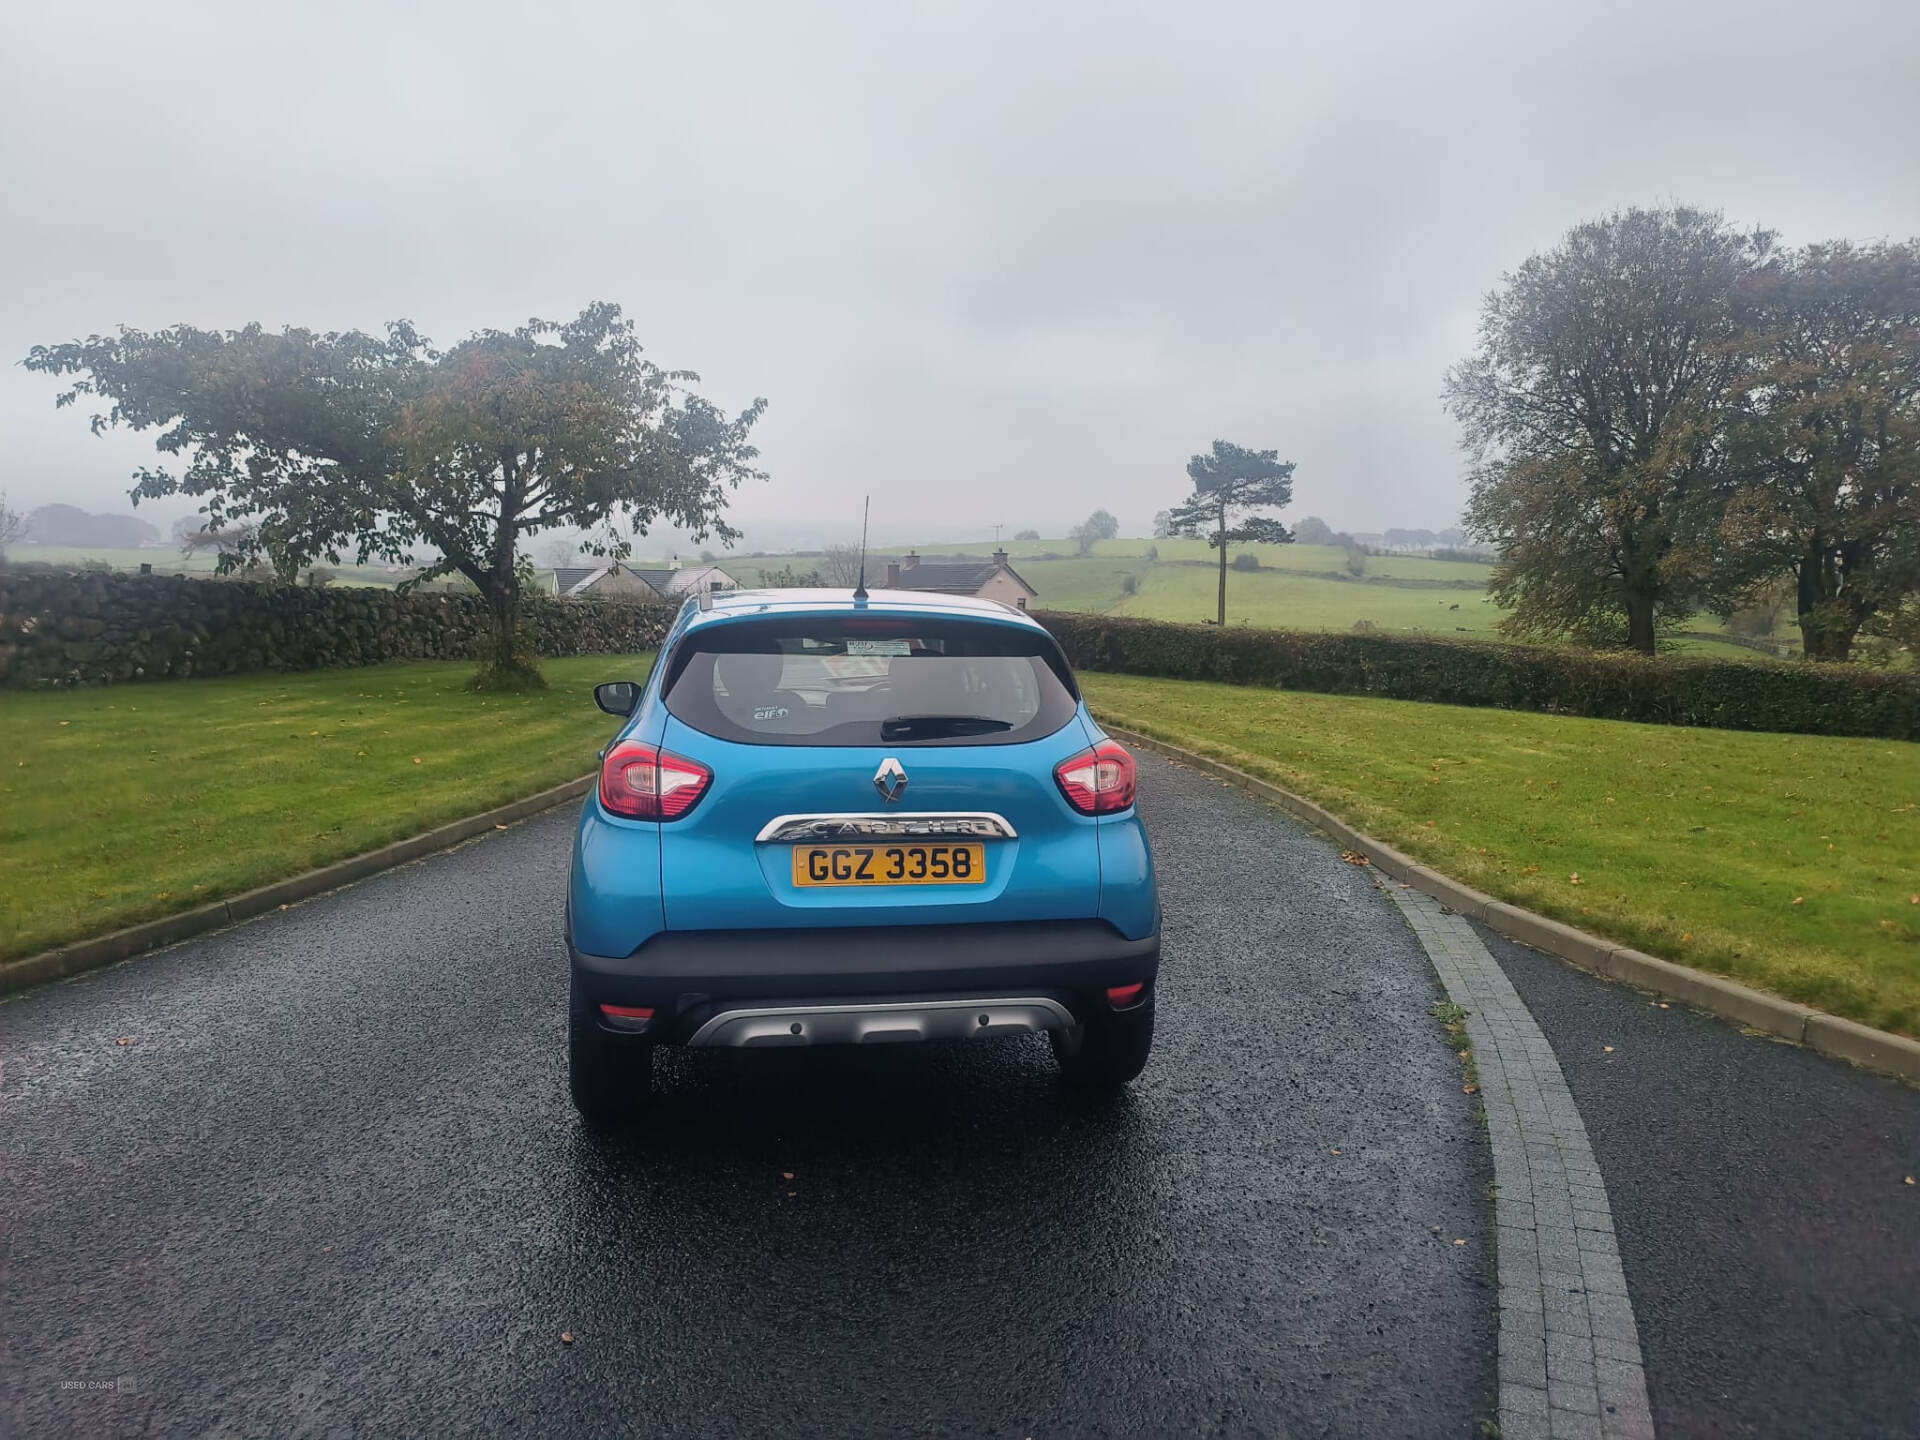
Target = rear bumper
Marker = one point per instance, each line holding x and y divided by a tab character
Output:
687	977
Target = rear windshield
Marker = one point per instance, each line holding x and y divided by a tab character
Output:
856	680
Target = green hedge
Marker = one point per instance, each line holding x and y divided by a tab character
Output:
1667	690
93	628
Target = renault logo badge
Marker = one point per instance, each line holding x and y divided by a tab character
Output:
890	780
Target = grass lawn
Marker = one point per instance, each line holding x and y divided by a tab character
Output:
1791	862
123	803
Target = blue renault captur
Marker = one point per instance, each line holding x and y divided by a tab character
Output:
857	820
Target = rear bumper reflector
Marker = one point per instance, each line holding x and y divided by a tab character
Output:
1121	996
631	1018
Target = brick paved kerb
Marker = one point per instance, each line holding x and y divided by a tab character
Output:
1570	1363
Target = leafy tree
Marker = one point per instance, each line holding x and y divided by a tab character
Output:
789	577
60	524
1596	409
1829	485
1028	535
1230	482
841	565
1315	531
240	540
381	444
12	527
1096	527
1162	524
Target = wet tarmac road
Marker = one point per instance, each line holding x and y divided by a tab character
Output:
332	1182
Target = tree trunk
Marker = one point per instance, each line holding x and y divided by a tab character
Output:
1221	539
1640	631
508	662
1827	628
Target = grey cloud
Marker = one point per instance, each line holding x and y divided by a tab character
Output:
990	262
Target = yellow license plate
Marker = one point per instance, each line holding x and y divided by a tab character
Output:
915	864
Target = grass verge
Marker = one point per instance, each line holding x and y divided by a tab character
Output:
1791	862
131	802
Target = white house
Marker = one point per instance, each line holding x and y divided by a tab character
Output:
674	583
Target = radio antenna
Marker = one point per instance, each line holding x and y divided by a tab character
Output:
860	589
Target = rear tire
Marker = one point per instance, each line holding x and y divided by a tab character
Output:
1109	1050
611	1076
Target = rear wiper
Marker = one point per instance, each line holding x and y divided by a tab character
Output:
934	727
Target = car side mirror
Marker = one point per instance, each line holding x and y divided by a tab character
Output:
617	697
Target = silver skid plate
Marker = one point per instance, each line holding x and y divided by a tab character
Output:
880	1024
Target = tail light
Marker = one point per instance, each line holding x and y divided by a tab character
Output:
1097	781
643	783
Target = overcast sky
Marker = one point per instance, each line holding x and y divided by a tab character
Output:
991	262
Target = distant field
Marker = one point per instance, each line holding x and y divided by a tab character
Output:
165	560
1312	559
1278	599
1302	587
1297	587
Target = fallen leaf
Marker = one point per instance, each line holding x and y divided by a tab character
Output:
1607	1048
1574	879
124	1040
1469	1089
1909	1179
1911	899
1665	1006
1799	899
786	1174
1685	935
499	827
416	760
1353	857
1459	1242
1336	1152
566	1337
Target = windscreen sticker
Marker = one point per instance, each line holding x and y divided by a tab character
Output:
879	647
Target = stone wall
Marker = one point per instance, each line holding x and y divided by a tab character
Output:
89	629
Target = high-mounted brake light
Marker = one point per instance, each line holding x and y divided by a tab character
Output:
642	783
1097	781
